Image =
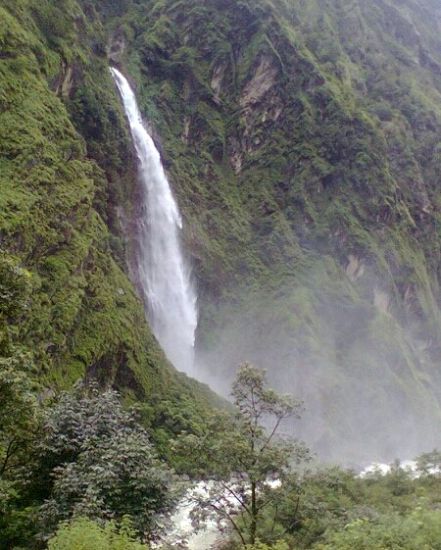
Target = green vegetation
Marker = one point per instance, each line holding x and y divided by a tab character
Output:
84	456
335	509
310	507
84	534
312	204
303	142
262	546
420	529
102	463
82	473
67	307
311	207
240	456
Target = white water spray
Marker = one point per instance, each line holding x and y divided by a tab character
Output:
164	276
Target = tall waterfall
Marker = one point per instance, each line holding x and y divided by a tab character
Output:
170	297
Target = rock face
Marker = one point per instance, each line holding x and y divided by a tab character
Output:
264	77
354	268
303	141
116	48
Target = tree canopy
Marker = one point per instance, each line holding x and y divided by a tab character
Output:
104	466
244	454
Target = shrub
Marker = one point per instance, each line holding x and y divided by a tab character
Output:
84	534
103	463
420	529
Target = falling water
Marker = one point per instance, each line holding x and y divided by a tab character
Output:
164	277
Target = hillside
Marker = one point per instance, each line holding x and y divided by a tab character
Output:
67	179
302	141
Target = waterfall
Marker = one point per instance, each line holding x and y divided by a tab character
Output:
169	295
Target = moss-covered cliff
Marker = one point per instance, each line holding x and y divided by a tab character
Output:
67	180
303	143
303	139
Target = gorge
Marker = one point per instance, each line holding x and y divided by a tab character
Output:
301	141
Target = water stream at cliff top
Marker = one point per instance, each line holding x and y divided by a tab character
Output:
163	273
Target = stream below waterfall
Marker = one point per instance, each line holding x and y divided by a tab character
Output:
183	534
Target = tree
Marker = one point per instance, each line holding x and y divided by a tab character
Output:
241	454
18	404
279	545
19	407
429	463
18	411
19	423
102	462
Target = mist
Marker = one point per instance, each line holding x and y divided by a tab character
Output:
346	349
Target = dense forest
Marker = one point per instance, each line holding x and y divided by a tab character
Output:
302	142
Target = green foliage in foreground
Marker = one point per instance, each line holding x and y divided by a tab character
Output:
328	505
262	546
420	530
18	424
83	460
19	410
103	463
83	456
84	534
334	509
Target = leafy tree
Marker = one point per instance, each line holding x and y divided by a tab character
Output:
315	501
85	534
19	426
18	405
18	411
241	454
429	463
19	408
103	464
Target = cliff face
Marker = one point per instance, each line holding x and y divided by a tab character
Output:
68	180
303	142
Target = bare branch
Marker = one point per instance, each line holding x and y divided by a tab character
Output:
230	519
234	495
10	450
271	435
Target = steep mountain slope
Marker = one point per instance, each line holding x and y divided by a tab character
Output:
303	140
66	172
